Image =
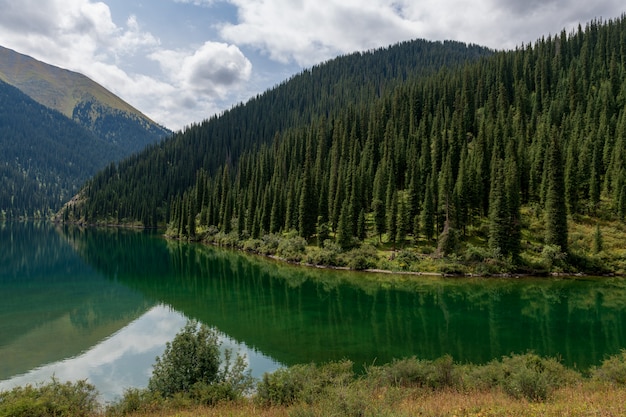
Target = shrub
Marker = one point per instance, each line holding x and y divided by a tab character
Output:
327	255
292	248
412	372
405	258
192	358
135	400
523	376
476	253
53	399
361	258
303	383
269	244
612	370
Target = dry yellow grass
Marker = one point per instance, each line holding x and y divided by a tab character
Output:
585	400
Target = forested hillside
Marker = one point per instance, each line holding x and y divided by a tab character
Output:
57	129
493	158
143	187
45	157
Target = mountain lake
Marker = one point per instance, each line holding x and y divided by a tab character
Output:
100	305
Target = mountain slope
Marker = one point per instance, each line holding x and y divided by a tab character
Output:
507	160
44	156
81	99
142	187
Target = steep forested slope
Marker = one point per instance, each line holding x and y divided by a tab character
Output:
44	156
142	187
517	142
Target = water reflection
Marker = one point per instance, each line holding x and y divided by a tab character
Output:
296	314
125	358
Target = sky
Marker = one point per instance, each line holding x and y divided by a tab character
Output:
182	61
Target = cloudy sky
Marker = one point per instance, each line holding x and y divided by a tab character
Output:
181	61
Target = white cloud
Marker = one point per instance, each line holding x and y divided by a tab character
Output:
210	72
307	31
197	2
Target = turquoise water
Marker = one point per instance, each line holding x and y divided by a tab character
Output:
101	304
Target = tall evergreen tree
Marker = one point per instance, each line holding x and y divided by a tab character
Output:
555	208
498	213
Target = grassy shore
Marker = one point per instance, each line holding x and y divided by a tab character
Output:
585	399
595	248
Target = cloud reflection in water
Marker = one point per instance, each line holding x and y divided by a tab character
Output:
125	359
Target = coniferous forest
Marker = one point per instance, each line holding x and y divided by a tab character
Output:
430	149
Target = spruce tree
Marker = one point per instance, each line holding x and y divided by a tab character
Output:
344	226
428	211
555	208
498	213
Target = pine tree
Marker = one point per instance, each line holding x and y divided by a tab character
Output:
344	227
555	208
392	217
498	213
379	217
307	213
428	211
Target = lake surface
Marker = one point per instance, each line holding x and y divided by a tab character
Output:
101	304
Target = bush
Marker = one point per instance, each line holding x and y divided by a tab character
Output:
406	258
523	376
612	370
192	358
292	248
269	244
135	400
303	383
412	372
327	255
53	399
361	258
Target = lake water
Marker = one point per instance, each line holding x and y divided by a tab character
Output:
101	304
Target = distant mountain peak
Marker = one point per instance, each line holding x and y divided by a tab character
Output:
71	93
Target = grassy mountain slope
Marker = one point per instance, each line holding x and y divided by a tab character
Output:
81	99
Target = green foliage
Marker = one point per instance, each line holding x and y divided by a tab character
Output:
303	383
412	372
192	360
193	356
135	400
291	248
523	376
612	370
190	371
597	240
53	399
361	258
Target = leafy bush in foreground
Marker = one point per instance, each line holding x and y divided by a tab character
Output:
54	399
612	370
413	372
303	383
189	372
523	376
